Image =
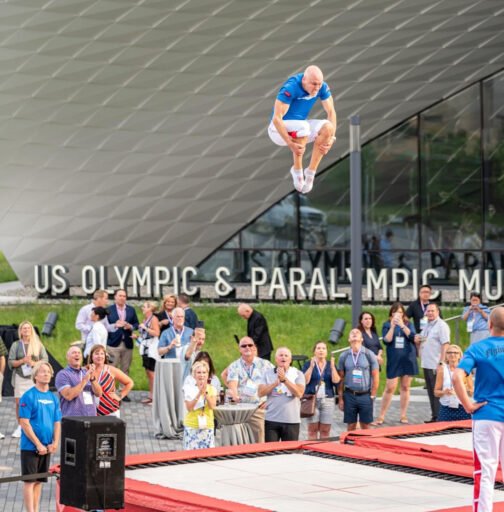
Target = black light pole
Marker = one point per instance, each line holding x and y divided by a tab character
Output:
355	218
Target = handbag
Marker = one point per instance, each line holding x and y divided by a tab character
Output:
309	402
152	349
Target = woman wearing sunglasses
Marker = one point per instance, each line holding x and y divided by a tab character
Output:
450	407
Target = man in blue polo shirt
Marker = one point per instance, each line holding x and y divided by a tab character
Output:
487	356
290	127
39	417
360	376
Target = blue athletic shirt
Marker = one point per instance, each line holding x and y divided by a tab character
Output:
300	101
487	356
43	410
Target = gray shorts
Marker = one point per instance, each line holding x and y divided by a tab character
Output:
324	412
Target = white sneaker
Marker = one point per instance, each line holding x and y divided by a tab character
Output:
17	432
297	178
2	436
309	176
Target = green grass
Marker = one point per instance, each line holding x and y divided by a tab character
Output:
297	326
6	272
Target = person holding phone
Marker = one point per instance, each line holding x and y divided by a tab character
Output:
476	317
399	339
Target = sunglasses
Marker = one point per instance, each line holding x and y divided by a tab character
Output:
244	346
451	353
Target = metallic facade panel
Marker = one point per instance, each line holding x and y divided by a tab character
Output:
134	132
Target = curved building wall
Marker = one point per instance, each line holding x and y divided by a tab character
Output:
134	133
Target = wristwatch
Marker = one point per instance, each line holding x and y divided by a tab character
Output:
440	364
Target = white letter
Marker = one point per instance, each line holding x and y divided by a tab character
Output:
160	281
317	283
141	278
296	285
62	284
42	275
425	280
396	284
176	280
488	285
374	282
277	283
186	288
469	284
414	278
255	282
222	287
89	279
122	276
333	285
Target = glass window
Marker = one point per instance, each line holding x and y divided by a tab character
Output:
222	258
451	173
325	211
274	229
390	190
268	260
493	121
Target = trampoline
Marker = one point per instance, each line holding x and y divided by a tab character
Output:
409	468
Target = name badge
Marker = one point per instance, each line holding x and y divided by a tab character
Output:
470	325
399	342
88	398
26	369
202	422
321	390
357	376
423	322
250	389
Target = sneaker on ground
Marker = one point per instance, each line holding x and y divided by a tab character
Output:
308	184
2	436
17	432
297	178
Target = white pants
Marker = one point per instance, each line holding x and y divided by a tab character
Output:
309	128
488	447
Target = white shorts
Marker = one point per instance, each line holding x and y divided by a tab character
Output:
309	128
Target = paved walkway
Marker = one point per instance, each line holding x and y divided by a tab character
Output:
140	439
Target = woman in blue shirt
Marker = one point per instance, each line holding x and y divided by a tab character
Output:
367	325
476	316
399	338
320	377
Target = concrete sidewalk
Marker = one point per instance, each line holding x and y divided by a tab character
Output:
140	439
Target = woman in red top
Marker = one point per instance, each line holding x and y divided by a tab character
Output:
108	403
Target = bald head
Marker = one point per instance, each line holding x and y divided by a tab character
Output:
312	80
496	321
314	72
244	310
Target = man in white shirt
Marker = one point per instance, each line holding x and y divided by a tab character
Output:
435	340
83	323
98	335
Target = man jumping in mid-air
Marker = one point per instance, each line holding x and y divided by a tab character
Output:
289	126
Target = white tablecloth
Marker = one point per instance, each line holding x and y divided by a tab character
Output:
168	402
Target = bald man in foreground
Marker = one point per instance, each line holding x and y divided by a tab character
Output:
487	356
290	127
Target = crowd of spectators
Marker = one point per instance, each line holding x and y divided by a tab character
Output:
96	379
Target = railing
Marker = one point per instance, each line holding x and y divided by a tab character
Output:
458	318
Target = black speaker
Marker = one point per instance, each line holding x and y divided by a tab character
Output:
92	462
